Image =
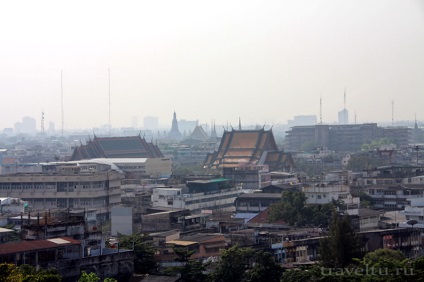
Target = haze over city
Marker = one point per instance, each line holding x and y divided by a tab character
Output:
262	61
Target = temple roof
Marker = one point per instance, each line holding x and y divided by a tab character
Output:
248	147
199	134
117	147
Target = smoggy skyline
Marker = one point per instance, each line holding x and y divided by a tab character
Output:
262	61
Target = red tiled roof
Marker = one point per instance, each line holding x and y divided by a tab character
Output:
20	247
262	218
9	160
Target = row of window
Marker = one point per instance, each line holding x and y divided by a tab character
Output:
60	186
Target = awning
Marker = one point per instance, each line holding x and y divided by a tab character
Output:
181	243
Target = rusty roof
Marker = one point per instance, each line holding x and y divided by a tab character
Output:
19	247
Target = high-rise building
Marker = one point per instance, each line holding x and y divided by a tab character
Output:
151	123
347	137
344	117
344	114
28	125
302	120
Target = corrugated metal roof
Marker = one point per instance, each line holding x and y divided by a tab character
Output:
20	247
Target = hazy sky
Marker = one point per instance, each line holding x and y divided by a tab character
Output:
263	61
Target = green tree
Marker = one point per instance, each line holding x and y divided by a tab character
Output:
386	265
375	144
191	270
144	252
290	208
359	162
293	210
366	200
304	274
88	277
418	266
265	268
27	273
232	265
342	245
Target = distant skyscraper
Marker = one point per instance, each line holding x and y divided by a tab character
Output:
151	123
28	125
187	125
134	122
344	117
51	127
175	133
302	120
344	114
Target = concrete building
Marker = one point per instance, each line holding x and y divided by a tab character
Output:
13	206
121	220
66	256
346	137
151	123
249	177
321	194
343	117
68	185
198	195
27	126
205	246
302	120
414	213
255	202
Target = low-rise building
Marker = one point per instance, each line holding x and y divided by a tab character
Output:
205	246
198	195
255	202
249	177
66	256
13	206
414	214
322	193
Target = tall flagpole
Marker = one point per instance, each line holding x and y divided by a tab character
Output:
110	125
61	94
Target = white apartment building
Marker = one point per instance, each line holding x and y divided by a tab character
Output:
68	185
324	193
12	205
178	198
415	211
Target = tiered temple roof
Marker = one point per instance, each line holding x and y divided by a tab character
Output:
199	134
116	147
248	147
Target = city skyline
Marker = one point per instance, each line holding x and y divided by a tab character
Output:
262	62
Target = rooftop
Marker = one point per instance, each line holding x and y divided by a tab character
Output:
27	246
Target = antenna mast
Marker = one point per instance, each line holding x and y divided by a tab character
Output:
344	103
42	122
61	93
320	110
393	112
110	125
